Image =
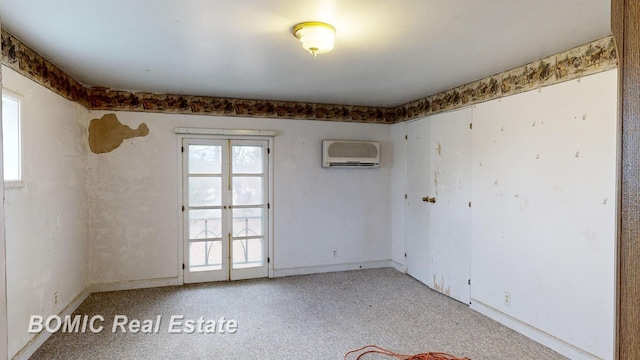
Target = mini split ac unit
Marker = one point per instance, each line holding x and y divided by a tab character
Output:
350	154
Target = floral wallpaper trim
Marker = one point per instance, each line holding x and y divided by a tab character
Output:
20	58
101	99
591	58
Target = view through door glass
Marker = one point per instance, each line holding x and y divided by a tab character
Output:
226	209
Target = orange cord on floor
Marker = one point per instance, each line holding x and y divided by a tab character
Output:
373	349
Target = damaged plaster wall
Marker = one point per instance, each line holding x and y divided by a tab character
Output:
107	133
46	218
544	204
135	199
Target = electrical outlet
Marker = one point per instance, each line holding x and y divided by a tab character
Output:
334	253
507	298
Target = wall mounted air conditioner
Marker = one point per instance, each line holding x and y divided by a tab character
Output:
350	154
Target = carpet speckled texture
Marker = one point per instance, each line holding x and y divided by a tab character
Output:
320	316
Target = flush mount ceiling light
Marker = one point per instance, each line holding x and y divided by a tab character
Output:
316	37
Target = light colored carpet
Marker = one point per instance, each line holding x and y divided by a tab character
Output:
320	316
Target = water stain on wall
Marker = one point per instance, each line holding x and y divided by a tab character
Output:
107	133
439	287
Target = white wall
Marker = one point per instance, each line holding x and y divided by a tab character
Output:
134	197
543	216
544	202
46	219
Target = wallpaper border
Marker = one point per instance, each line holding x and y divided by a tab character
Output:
594	57
591	58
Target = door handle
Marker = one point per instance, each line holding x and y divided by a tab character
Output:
429	199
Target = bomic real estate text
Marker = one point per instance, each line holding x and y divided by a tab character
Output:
177	324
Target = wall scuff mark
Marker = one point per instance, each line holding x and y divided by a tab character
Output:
107	133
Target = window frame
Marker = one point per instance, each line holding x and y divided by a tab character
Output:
9	184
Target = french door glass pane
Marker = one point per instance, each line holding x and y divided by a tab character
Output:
205	159
205	191
247	190
205	255
247	159
247	253
247	222
205	224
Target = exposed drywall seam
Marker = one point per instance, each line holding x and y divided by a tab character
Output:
591	58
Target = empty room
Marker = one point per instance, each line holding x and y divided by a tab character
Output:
277	179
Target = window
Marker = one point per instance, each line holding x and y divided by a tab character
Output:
11	141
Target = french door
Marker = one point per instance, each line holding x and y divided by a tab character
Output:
225	213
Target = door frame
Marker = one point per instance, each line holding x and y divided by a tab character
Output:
222	134
457	288
413	204
425	131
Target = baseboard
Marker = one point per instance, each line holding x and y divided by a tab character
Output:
306	270
32	346
533	333
399	266
135	284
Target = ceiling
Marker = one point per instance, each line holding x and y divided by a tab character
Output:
387	52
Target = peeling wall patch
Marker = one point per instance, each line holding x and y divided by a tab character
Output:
107	133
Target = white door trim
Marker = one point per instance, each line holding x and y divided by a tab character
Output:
225	132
